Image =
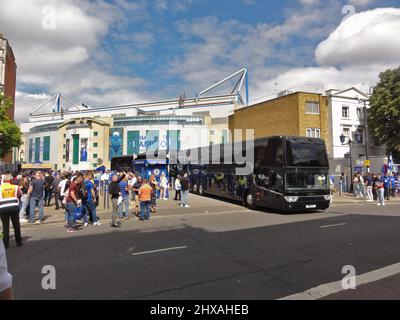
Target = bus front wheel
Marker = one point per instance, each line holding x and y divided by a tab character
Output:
250	200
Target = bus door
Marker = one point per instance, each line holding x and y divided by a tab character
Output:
262	181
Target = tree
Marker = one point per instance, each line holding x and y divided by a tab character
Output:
384	114
10	135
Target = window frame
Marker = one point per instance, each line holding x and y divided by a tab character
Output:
348	112
313	103
313	133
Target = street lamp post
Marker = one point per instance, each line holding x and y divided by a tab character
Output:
371	89
350	142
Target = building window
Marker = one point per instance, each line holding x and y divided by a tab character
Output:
312	107
95	156
345	112
95	145
64	156
94	165
64	146
65	135
96	134
346	132
64	165
313	133
212	132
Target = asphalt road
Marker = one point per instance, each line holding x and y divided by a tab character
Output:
215	250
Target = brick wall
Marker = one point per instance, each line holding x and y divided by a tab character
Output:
274	117
284	116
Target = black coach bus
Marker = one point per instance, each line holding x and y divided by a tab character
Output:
289	174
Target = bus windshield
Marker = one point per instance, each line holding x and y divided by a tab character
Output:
302	153
307	179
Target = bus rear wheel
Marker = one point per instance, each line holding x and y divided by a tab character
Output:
250	200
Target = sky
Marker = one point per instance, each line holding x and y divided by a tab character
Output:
113	52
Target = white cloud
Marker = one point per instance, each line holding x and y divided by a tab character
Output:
26	102
309	2
354	54
69	59
173	5
214	48
360	2
364	38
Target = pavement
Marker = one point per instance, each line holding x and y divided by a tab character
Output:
215	250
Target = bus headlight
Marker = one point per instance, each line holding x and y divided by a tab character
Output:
291	199
328	198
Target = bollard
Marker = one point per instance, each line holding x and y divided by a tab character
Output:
340	188
106	197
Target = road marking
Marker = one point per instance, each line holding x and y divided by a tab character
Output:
336	287
333	225
159	250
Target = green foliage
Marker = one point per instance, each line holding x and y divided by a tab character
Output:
10	135
384	115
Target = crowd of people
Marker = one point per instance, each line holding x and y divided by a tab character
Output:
77	194
373	187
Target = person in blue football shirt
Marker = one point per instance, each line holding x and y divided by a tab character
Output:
90	199
124	186
386	184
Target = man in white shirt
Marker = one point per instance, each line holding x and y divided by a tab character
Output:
62	187
5	277
132	181
105	178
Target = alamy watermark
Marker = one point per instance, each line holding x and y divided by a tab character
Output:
240	153
349	282
348	11
49	280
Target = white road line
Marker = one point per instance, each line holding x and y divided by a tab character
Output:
336	287
334	225
159	250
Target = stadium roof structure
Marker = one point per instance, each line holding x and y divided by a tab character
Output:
59	105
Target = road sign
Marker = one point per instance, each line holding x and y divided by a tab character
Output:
367	163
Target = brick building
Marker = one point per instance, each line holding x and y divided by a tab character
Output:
8	72
295	114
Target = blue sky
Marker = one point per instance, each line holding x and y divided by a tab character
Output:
118	51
